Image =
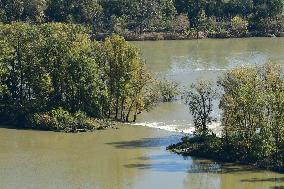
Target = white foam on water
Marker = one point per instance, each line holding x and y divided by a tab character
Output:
178	69
165	126
186	128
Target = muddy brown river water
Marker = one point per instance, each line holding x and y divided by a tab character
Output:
130	157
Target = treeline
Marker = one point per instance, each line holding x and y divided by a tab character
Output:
54	75
252	106
136	18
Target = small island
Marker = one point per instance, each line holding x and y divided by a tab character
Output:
251	102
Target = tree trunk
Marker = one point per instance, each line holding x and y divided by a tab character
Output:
116	107
135	114
129	111
122	110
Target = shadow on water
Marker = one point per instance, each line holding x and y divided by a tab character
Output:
280	179
20	128
13	127
189	166
162	166
146	142
170	162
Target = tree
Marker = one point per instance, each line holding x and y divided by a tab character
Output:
274	115
239	26
200	102
147	15
46	67
125	77
168	90
267	8
23	10
239	8
181	6
75	11
242	110
253	114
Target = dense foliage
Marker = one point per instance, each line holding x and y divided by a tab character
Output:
62	120
252	119
213	18
52	66
253	116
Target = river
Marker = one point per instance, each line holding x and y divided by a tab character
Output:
191	60
134	157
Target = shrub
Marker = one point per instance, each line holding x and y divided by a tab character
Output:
61	120
168	90
181	24
218	29
208	146
82	121
270	25
239	26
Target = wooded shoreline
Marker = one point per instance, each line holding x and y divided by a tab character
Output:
154	36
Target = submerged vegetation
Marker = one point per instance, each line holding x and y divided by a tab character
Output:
53	75
155	19
168	90
252	119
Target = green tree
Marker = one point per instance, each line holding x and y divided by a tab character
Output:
141	15
76	11
239	26
125	76
48	66
274	115
23	10
200	102
253	115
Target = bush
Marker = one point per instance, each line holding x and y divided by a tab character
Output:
270	25
218	29
61	120
239	26
180	24
82	121
208	146
168	90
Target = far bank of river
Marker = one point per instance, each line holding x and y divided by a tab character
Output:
131	157
157	36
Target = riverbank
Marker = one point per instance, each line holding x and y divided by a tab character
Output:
210	147
97	124
156	36
77	126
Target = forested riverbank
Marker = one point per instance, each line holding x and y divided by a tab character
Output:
54	76
155	19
